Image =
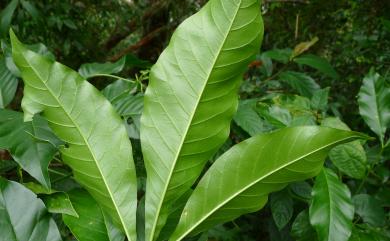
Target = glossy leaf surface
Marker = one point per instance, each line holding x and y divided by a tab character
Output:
240	181
23	217
374	99
192	97
22	141
301	229
98	149
331	210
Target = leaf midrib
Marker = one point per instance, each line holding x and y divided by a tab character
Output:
85	141
190	122
257	181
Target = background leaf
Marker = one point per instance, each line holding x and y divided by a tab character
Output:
349	158
331	210
8	84
23	215
90	225
301	229
97	69
20	138
374	99
369	209
6	17
318	63
248	119
302	83
282	208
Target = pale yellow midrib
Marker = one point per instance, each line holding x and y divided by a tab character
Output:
86	143
151	236
258	180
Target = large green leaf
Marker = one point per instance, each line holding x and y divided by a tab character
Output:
192	97
374	99
98	149
90	225
8	84
23	217
240	181
331	210
26	145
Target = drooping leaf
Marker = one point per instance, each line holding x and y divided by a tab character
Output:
6	17
248	119
20	138
90	225
317	63
8	84
302	83
349	158
98	69
369	209
374	99
301	229
331	210
55	202
23	217
98	149
282	208
202	67
319	100
240	181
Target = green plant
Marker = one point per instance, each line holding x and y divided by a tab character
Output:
189	104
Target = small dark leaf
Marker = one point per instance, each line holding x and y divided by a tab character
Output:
369	209
282	208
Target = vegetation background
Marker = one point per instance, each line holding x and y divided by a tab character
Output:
336	43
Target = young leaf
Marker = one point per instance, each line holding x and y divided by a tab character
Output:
282	208
8	84
23	215
349	158
192	97
90	225
98	149
374	99
369	209
240	181
20	138
331	210
318	63
302	83
97	69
